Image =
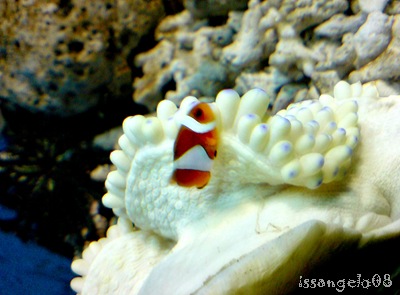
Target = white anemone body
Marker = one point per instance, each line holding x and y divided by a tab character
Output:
301	178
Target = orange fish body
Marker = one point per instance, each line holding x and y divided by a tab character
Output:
196	147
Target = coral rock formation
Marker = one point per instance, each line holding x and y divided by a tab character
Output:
61	57
308	44
201	8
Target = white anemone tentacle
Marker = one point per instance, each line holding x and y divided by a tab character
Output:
307	144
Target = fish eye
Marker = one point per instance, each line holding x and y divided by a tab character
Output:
198	113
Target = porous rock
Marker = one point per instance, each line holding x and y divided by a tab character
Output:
185	62
201	8
373	37
371	6
196	58
386	65
340	24
313	44
393	7
61	57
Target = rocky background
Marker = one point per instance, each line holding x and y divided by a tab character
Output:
71	71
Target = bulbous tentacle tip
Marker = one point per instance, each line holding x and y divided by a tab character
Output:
255	102
308	143
126	145
152	130
132	129
187	104
112	201
227	101
246	125
83	265
370	90
166	109
80	267
356	89
342	90
77	284
120	160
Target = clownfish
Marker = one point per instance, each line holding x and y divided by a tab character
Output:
195	146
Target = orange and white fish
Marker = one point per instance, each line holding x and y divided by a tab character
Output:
195	146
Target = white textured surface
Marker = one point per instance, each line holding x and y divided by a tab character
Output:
247	227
